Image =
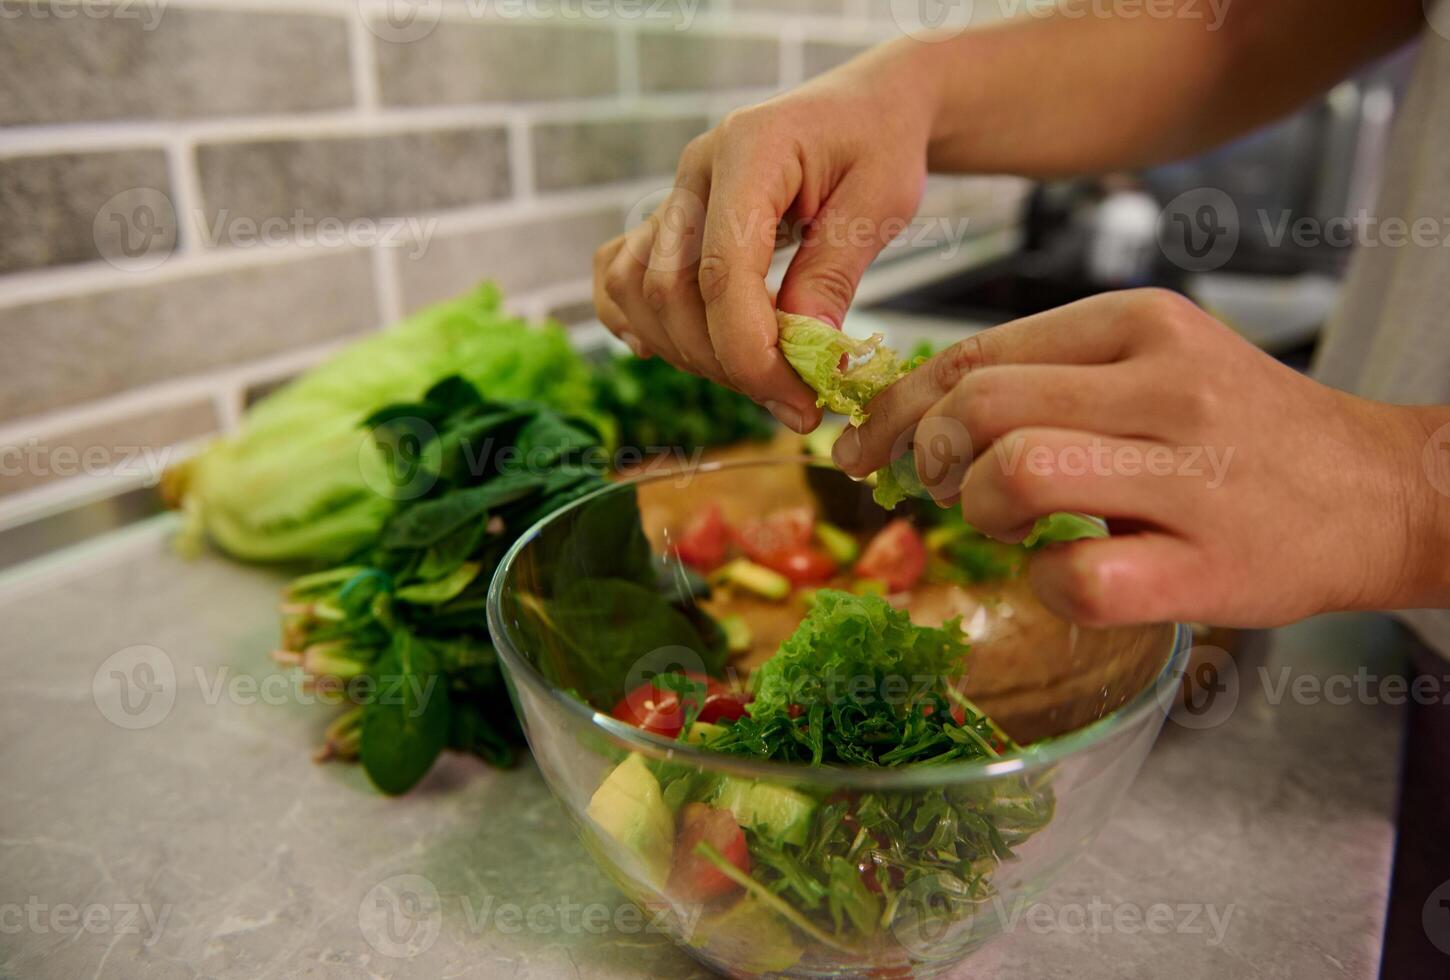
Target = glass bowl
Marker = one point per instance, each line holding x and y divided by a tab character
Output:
898	871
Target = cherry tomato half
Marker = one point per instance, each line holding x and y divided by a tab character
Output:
705	541
694	878
658	710
896	556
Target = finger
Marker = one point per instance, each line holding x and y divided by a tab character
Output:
1034	472
740	225
1138	578
671	282
1091	331
1109	399
624	283
606	308
839	243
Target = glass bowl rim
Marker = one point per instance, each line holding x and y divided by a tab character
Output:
1036	756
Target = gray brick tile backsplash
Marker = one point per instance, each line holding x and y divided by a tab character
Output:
65	351
520	257
672	61
354	177
186	63
571	314
822	56
494	62
577	154
49	206
821	8
133	445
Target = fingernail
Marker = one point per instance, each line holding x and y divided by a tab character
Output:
847	451
785	415
633	342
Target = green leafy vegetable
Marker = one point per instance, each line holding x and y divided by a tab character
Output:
815	349
407	615
298	481
859	684
656	406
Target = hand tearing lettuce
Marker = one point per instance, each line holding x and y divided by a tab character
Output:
815	350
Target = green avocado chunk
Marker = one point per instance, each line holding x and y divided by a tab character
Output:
630	810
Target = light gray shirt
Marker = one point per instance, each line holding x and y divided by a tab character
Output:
1390	337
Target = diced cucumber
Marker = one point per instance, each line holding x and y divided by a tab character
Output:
840	545
779	814
755	578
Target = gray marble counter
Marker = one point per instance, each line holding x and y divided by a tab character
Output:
190	835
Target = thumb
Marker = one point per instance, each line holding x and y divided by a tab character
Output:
838	245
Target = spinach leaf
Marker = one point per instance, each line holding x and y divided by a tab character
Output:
405	725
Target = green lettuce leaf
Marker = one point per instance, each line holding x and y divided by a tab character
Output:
292	484
815	349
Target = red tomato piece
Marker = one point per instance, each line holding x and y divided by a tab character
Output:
693	878
658	710
781	531
705	541
803	566
895	556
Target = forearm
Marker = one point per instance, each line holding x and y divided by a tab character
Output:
1067	95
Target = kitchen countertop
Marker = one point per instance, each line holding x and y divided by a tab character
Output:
188	834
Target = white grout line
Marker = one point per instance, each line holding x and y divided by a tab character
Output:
166	394
521	159
626	45
792	56
35	140
363	61
387	285
186	196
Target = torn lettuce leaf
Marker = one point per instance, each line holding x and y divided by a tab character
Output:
815	348
1064	527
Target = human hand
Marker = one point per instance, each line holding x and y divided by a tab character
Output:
843	158
1239	492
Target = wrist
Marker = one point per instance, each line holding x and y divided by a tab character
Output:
1426	481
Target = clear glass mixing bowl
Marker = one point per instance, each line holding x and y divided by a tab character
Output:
1085	705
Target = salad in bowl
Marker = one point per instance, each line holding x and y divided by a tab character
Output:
816	737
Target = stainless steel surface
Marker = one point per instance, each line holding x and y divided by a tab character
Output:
190	825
